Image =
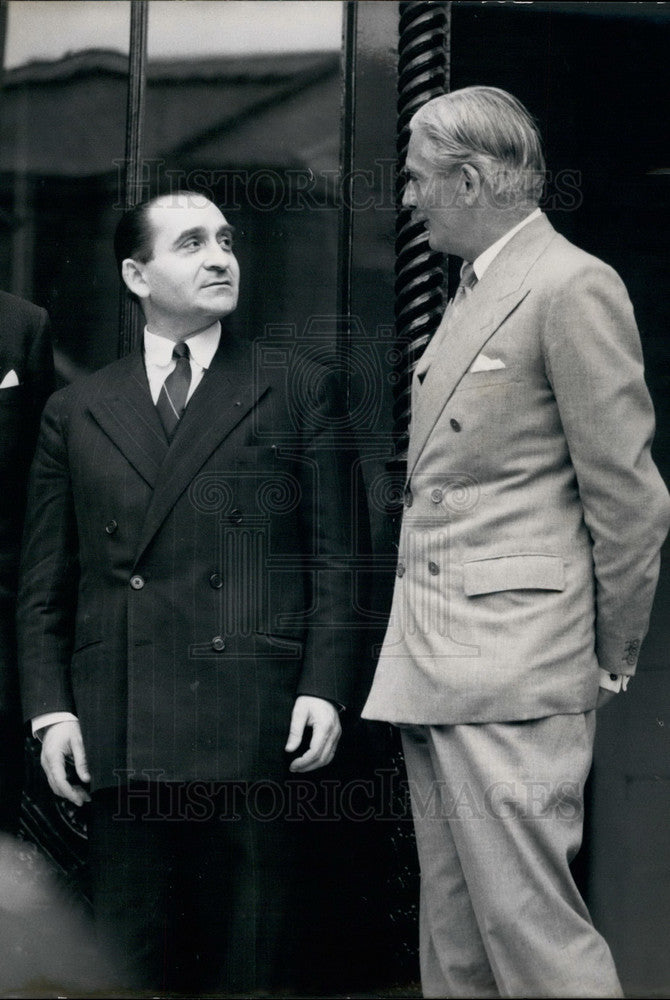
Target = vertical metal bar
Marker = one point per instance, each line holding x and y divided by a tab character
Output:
346	225
23	192
423	73
23	227
3	32
129	318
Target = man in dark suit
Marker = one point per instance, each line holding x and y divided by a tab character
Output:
528	560
184	613
26	379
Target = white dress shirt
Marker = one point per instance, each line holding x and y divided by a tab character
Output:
159	362
488	256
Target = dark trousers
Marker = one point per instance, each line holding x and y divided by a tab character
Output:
192	887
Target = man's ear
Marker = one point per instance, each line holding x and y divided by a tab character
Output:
471	183
133	275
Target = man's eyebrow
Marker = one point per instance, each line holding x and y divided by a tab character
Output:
188	234
200	233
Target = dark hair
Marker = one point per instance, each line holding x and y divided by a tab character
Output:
134	237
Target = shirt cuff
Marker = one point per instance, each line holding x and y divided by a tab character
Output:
49	719
613	682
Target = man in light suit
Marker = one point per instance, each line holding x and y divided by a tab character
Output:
528	560
185	613
26	379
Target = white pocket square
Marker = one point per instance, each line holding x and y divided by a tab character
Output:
10	380
484	364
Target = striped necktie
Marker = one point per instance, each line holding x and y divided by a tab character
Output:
172	399
467	283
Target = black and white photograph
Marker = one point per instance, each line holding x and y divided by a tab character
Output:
334	499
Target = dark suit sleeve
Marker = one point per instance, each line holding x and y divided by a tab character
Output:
336	518
26	329
594	362
49	574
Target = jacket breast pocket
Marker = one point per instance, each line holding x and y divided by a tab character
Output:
526	571
471	381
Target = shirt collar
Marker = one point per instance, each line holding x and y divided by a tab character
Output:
481	263
202	346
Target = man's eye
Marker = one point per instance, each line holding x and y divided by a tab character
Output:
191	244
226	243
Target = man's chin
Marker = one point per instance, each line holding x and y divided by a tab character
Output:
221	304
223	292
434	244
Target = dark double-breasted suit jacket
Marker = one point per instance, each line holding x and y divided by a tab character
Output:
177	597
26	365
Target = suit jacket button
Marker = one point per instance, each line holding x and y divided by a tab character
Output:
235	516
137	582
218	644
436	496
111	527
455	426
400	570
216	581
631	651
408	497
433	568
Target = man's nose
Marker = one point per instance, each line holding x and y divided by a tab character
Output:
218	256
409	196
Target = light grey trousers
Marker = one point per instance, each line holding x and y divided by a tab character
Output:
498	815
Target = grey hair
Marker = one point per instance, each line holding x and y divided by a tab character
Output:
491	130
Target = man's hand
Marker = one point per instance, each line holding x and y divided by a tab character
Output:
604	695
323	717
61	746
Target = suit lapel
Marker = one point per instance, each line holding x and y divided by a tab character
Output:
224	397
491	301
126	413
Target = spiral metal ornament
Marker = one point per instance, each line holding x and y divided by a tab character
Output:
423	73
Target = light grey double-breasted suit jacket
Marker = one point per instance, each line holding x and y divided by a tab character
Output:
534	514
